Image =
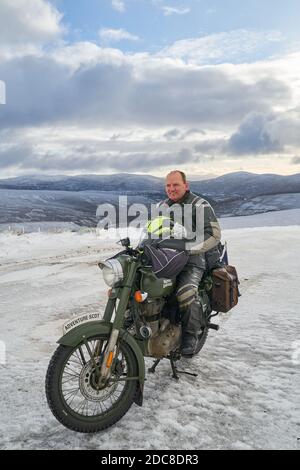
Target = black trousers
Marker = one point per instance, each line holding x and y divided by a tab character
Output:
190	308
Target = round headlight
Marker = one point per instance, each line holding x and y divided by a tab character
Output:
112	272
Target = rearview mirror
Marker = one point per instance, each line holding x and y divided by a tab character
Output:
124	242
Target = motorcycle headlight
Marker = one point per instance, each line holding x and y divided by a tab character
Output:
112	271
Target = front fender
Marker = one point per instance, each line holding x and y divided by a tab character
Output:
87	330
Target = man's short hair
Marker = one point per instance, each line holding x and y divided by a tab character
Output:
183	175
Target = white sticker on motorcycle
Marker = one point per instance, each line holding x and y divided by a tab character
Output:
80	320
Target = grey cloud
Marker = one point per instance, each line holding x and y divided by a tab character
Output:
122	136
176	134
271	87
257	134
87	158
41	90
195	131
172	134
295	161
286	127
211	146
266	133
36	92
205	97
147	161
44	91
254	137
15	155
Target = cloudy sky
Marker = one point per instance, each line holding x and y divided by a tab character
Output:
144	86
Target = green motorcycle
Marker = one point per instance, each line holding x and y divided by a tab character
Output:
98	370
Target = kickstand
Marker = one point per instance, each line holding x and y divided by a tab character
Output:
176	371
155	364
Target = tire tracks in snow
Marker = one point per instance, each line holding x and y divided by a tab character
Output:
50	261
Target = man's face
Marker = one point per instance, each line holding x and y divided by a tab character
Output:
175	187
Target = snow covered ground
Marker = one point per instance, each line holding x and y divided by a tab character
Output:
268	219
246	395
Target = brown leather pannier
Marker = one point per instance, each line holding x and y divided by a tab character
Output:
225	291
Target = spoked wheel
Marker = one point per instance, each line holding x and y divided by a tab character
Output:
201	339
72	386
202	336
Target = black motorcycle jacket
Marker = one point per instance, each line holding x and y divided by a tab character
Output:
204	226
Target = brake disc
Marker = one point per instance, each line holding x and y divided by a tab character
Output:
88	384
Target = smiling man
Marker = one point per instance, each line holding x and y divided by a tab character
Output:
204	246
176	185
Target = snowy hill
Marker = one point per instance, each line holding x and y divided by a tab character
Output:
248	185
75	199
245	395
233	184
238	183
23	206
116	182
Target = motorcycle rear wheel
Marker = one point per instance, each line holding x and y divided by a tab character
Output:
201	340
71	392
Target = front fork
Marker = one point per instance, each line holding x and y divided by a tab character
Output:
105	370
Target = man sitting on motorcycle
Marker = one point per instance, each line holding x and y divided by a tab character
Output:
208	236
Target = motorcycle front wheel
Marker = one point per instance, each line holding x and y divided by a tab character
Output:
71	385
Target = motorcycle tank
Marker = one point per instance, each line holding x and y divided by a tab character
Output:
155	287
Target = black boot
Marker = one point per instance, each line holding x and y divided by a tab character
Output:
189	344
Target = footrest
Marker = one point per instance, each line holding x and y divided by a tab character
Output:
213	326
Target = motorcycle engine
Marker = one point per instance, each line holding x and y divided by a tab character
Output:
167	339
150	311
163	337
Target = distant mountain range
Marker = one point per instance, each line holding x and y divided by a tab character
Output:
233	184
118	182
75	198
248	184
